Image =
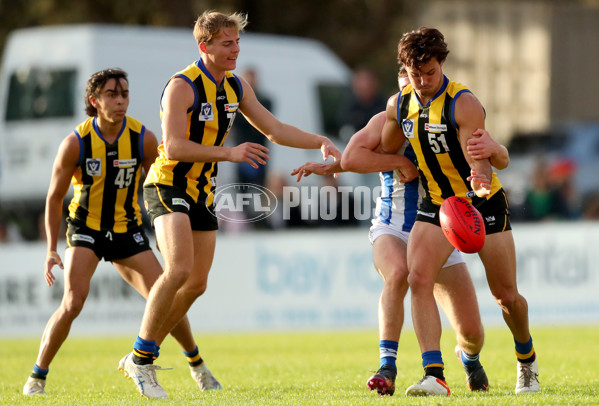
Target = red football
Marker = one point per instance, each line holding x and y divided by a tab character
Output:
462	224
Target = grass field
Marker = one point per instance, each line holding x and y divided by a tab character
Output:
316	368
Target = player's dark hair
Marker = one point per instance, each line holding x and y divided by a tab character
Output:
97	81
418	47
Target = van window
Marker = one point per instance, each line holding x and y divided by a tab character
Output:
332	97
538	143
40	93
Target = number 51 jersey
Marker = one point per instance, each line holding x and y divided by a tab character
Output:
434	136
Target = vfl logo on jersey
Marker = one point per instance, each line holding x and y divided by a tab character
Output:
124	163
407	126
231	107
206	112
93	166
435	128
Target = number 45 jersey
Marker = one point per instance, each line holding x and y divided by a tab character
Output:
107	179
434	136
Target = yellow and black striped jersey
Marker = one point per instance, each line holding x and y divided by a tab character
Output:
208	123
434	136
107	178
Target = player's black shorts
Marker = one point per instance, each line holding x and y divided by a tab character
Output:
161	199
495	212
107	244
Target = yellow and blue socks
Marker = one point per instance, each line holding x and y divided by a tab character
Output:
193	358
432	362
388	353
144	351
525	352
39	373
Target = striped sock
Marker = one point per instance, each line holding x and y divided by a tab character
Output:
432	362
388	352
144	351
525	352
193	357
470	361
39	373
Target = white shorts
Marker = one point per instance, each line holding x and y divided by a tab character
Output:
379	229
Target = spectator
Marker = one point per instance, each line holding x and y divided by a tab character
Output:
365	101
243	131
544	199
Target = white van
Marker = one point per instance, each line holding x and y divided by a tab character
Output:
44	71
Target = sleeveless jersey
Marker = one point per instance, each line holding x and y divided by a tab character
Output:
433	133
208	123
398	202
107	177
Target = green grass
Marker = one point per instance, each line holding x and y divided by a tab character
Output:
316	368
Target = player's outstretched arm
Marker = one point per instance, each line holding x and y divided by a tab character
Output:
279	132
392	136
364	154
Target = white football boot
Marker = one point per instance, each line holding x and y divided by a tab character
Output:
429	386
202	375
144	377
528	377
34	386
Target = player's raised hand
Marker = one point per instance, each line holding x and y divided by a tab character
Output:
318	168
250	152
329	149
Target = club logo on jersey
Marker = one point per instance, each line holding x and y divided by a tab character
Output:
435	128
125	163
407	126
231	107
138	238
93	166
206	112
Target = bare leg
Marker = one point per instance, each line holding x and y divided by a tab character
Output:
455	294
80	265
204	243
141	271
389	254
174	236
499	258
428	249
